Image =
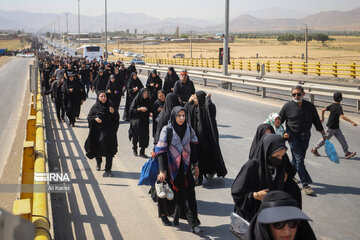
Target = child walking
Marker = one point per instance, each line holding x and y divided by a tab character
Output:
333	127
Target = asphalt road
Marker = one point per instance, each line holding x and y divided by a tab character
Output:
103	208
13	77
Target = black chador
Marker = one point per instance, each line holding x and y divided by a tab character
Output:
139	121
102	139
133	87
153	84
114	91
74	93
202	117
170	81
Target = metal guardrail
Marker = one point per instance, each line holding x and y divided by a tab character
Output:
33	205
319	69
265	83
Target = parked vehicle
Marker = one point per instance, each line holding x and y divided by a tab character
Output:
179	55
138	61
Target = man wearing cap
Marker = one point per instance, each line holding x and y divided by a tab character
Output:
85	77
184	87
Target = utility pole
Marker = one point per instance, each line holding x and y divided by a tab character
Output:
106	49
78	23
190	44
226	39
306	42
143	42
67	33
59	25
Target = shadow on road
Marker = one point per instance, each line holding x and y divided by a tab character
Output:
229	136
325	189
218	183
71	220
214	208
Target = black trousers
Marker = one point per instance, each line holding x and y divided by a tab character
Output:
108	163
60	111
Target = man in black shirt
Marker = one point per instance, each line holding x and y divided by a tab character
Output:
299	115
46	77
85	77
333	126
184	87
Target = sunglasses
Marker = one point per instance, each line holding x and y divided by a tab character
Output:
281	225
297	94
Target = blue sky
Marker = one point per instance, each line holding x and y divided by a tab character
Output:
206	9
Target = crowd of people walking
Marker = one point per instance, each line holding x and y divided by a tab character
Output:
186	141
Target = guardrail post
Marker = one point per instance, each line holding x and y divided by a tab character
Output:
358	103
353	70
291	68
335	71
318	69
279	67
304	68
268	66
230	86
257	89
263	92
312	98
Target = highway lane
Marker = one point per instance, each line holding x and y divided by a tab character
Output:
335	210
14	76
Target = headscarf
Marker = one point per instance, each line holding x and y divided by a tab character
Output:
140	101
100	108
271	120
259	231
179	129
260	131
268	145
171	101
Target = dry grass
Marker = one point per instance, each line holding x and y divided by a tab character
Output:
344	50
10	44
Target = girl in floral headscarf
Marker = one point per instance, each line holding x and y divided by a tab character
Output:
275	121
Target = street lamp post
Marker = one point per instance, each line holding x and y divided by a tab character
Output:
78	23
67	33
226	39
106	49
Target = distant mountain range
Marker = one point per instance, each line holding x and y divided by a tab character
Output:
275	19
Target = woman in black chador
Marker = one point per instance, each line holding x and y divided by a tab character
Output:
170	80
153	84
261	130
102	140
264	173
114	91
74	96
133	87
156	108
140	111
171	101
201	115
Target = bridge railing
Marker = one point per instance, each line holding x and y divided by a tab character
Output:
349	92
32	203
319	69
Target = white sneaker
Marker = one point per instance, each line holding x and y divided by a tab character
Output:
160	190
197	230
168	191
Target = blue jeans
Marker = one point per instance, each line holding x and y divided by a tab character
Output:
299	144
